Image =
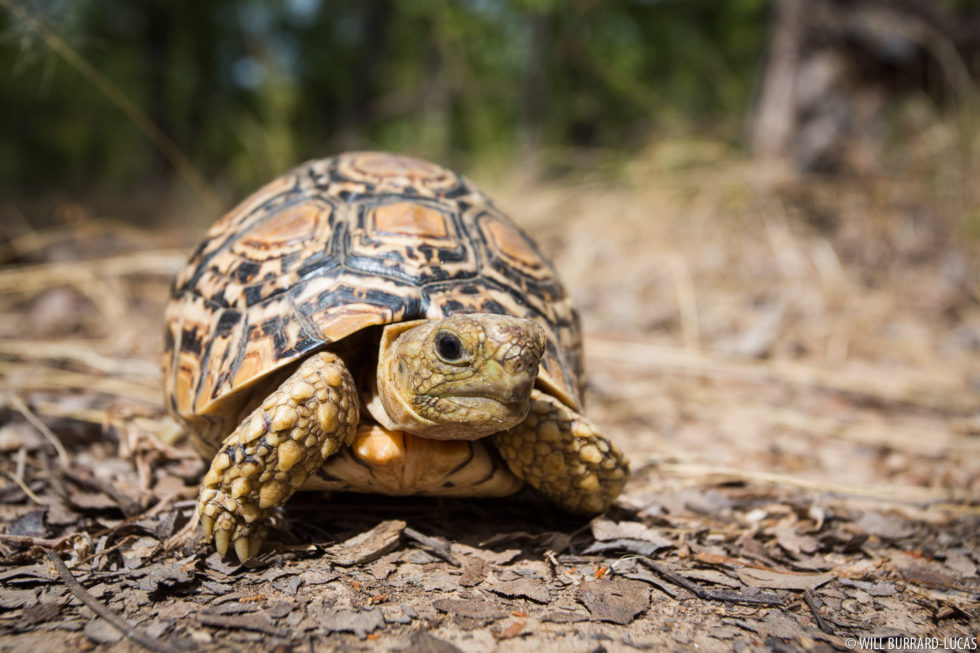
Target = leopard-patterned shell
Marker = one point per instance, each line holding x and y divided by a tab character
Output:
344	243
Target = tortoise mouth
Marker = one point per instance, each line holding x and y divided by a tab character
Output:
484	416
515	393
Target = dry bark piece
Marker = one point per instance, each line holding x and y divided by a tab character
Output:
469	608
41	613
782	580
887	527
617	601
367	546
791	541
256	622
639	547
514	629
359	622
474	572
13	599
101	632
525	588
425	642
605	529
30	524
318	577
565	617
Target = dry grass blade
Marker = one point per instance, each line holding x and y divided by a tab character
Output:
81	354
934	498
19	481
30	279
25	377
54	409
931	391
36	422
116	620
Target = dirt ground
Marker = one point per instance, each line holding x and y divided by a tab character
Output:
792	365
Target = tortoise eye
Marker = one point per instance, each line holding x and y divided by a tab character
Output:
449	347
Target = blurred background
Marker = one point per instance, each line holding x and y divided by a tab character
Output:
766	211
124	107
754	203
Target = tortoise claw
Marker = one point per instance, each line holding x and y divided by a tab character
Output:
207	525
221	540
242	549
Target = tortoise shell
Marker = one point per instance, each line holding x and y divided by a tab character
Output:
338	245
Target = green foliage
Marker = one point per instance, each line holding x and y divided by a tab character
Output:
248	88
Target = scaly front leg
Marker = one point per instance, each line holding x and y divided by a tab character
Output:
563	455
274	450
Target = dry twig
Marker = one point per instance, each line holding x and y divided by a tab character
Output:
114	619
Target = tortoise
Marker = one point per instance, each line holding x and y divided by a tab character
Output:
371	322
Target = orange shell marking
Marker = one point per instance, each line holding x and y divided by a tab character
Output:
383	165
409	219
510	242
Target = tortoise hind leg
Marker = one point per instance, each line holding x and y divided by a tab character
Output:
562	454
274	450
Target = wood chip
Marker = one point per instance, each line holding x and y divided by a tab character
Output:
617	601
781	580
423	641
101	632
256	622
367	546
469	608
524	588
359	622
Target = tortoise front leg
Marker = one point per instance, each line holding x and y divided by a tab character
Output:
562	454
274	450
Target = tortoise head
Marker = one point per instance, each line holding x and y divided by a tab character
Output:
460	377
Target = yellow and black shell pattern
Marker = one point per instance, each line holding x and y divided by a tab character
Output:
340	244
